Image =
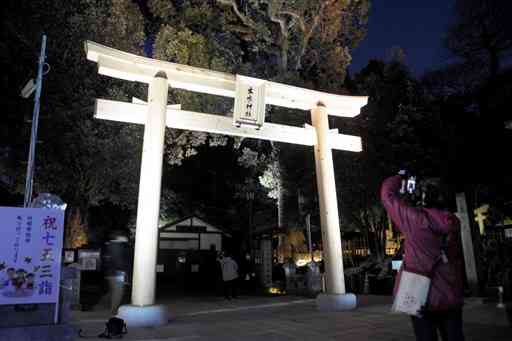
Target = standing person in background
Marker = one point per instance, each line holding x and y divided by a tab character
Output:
117	265
432	248
229	275
246	271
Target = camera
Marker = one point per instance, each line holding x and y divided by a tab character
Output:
424	191
408	185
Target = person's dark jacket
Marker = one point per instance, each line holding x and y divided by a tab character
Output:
423	229
117	257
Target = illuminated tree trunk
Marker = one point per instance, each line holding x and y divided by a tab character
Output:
76	230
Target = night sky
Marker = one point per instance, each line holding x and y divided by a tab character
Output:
418	27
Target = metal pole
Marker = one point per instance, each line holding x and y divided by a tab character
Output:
35	121
308	227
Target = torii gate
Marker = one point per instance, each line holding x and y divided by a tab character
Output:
251	96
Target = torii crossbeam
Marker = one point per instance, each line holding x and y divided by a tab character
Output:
251	95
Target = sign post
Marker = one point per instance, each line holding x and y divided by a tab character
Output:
467	242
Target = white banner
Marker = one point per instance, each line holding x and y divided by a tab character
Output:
30	254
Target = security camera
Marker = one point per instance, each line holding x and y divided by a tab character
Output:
28	89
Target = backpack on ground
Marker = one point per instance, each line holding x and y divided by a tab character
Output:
115	328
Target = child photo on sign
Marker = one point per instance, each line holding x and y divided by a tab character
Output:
17	283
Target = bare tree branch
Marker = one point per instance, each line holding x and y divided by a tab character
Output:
308	33
284	34
296	16
245	19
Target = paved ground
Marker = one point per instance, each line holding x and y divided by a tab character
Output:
293	318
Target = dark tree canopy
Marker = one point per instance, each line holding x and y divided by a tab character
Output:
482	30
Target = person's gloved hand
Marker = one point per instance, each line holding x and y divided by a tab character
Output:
422	311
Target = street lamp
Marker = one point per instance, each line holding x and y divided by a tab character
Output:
27	90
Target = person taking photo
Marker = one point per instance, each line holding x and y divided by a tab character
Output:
433	249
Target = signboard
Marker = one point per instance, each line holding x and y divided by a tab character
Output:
249	102
89	259
508	232
88	264
69	256
30	254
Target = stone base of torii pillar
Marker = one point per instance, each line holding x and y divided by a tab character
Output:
336	302
335	298
144	316
143	312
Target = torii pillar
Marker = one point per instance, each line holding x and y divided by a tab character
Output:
142	311
335	297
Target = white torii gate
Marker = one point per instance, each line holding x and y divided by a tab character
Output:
251	95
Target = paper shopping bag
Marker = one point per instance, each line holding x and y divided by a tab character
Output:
412	294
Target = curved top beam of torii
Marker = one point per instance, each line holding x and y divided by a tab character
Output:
123	65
